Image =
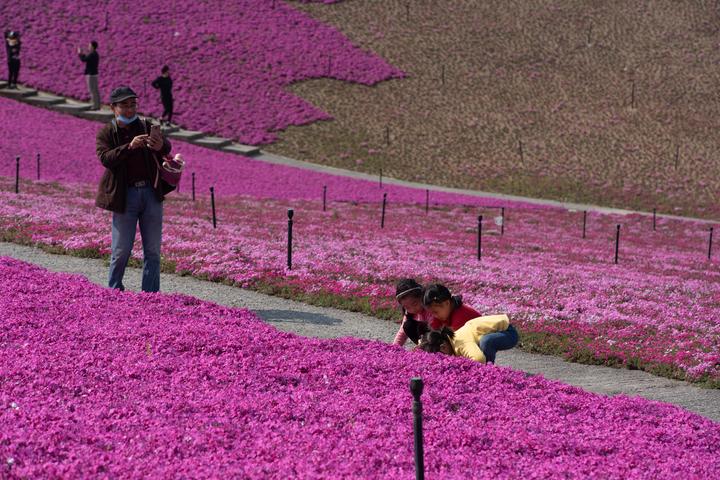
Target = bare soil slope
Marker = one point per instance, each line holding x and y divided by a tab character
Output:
604	102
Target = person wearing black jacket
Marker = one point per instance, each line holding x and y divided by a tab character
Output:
92	60
164	84
131	187
12	47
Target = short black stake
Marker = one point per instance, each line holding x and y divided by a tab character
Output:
407	12
710	244
584	222
654	217
677	156
381	178
479	239
212	202
617	243
324	198
290	214
416	388
17	174
632	95
193	186
38	166
502	221
427	200
387	135
382	219
442	75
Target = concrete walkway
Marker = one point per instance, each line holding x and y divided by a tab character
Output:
314	321
73	107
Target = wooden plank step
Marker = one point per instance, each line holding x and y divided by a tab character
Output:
72	107
212	142
97	115
186	135
44	100
20	92
247	150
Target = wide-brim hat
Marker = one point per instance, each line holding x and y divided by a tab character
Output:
122	93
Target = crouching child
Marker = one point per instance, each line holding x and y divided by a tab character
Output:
479	339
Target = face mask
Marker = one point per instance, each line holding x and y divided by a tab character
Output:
126	120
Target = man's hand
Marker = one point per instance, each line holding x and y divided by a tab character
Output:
79	50
139	142
155	142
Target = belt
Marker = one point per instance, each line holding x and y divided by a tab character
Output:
139	184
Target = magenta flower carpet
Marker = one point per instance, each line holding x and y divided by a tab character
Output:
656	310
98	383
231	61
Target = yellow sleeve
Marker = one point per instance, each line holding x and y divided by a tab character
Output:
470	350
465	344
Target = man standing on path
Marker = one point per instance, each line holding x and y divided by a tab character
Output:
164	83
12	47
131	187
91	59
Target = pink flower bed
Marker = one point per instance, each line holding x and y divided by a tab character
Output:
70	158
98	383
657	309
231	61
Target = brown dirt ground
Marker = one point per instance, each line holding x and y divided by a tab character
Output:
553	79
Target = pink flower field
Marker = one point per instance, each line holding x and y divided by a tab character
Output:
97	383
658	309
71	158
231	61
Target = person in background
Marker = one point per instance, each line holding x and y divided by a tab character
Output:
12	47
409	295
447	310
164	83
92	61
479	339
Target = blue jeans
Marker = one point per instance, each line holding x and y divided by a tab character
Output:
142	207
492	342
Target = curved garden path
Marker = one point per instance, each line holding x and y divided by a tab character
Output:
314	321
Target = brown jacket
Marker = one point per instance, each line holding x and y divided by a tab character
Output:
112	190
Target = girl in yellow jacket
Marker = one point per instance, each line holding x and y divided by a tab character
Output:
479	339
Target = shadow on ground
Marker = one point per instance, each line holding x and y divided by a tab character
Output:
293	316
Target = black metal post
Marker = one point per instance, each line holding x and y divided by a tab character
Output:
617	243
584	222
193	186
387	135
38	166
382	219
324	198
479	239
502	221
212	202
710	243
17	174
427	200
381	178
654	217
416	388
290	214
